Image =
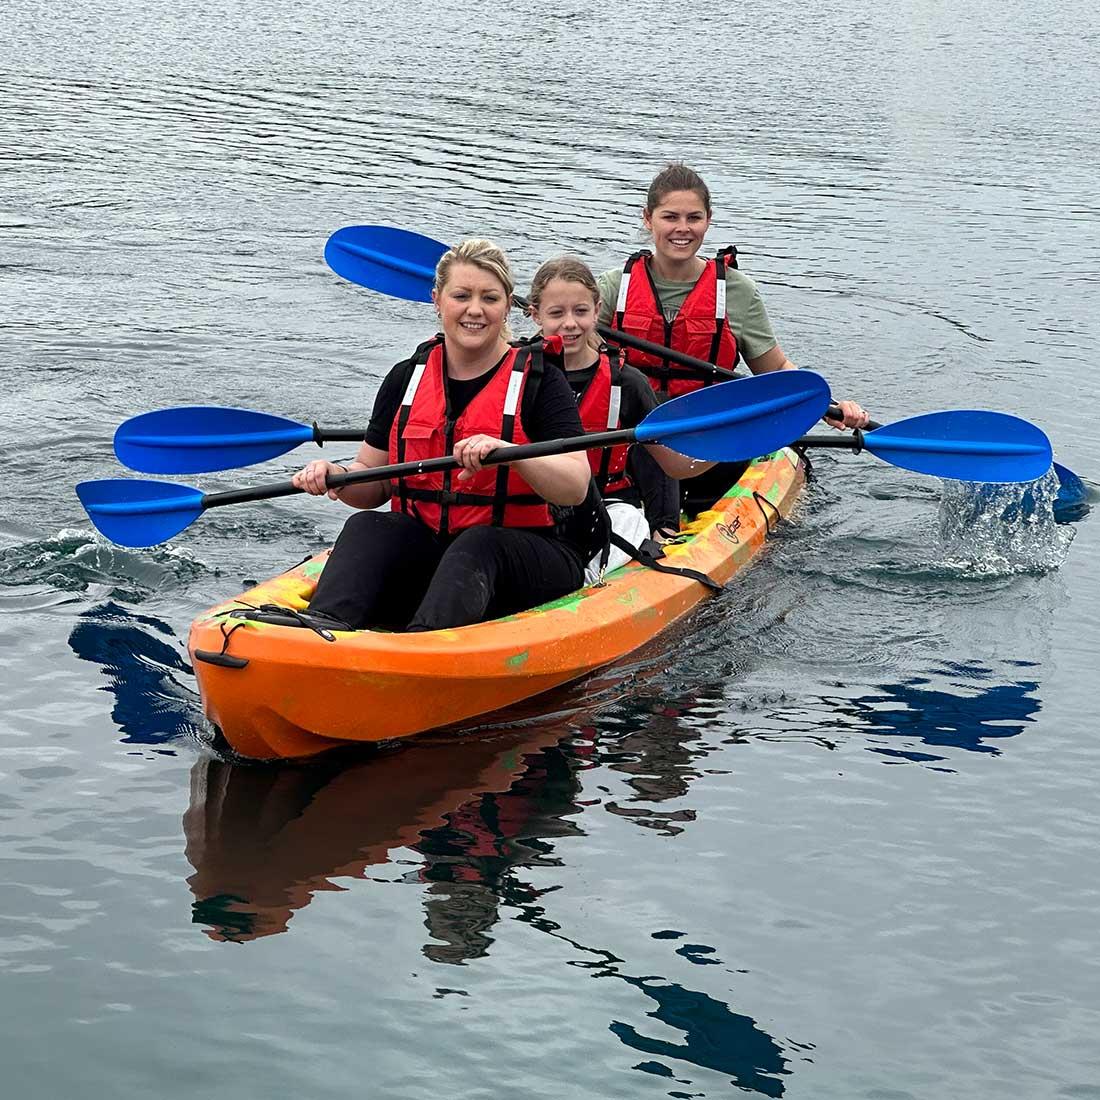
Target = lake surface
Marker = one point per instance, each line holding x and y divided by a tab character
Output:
838	839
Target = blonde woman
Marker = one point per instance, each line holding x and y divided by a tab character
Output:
459	547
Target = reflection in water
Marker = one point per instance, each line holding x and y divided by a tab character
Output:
264	840
714	1038
965	718
659	755
151	706
470	861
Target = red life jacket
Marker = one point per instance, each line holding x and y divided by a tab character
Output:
599	410
423	428
700	328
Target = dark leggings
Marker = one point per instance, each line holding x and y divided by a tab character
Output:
390	570
700	493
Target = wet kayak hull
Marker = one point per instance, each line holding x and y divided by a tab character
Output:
277	691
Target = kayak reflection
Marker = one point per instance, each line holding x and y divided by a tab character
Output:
477	811
475	806
263	840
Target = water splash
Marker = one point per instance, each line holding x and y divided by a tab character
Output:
74	561
1001	530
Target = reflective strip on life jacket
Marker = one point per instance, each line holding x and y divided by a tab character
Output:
599	407
425	429
700	328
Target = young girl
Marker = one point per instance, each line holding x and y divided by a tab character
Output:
704	308
565	302
456	549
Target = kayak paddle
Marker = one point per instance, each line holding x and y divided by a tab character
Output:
967	446
402	263
721	423
196	439
1074	499
962	444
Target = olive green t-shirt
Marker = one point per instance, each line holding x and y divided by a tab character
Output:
748	319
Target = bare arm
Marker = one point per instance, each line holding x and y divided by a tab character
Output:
559	479
774	359
311	479
676	465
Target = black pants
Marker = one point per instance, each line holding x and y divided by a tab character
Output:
659	493
700	493
390	570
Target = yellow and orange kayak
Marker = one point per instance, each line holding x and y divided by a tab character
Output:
282	691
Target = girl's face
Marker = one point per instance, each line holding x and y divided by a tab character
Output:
569	310
678	224
472	305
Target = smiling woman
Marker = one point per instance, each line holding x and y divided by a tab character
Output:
705	308
455	549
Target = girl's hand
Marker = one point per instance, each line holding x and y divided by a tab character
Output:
854	416
311	478
471	452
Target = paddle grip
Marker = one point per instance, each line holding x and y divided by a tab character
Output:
321	436
833	412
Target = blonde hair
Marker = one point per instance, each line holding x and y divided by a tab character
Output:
483	254
570	269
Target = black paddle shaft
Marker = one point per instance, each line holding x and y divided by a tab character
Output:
321	436
426	466
617	336
853	442
659	351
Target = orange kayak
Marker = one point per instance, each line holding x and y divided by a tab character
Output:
282	691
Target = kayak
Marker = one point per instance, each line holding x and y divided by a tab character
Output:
277	689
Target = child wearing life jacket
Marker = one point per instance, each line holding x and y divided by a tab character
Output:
638	484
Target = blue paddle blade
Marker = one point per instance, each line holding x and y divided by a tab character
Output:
139	513
1071	489
1074	500
738	420
196	439
965	445
391	261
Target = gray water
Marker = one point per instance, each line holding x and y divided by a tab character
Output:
836	839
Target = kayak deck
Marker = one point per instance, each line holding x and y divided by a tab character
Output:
280	692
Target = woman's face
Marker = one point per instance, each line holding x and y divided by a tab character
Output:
566	309
472	305
678	224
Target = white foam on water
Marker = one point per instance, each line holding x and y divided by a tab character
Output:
1002	529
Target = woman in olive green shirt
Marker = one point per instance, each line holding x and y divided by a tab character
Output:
678	214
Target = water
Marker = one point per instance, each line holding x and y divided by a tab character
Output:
838	840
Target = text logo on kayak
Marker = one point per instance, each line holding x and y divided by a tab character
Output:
728	531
